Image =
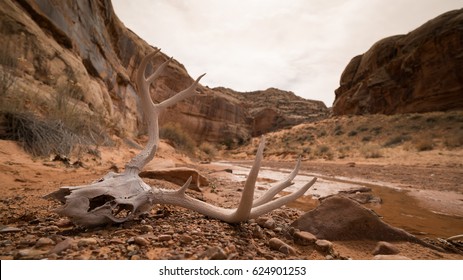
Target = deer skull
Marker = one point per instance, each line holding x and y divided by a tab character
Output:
117	198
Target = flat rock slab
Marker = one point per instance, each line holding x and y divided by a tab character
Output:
340	218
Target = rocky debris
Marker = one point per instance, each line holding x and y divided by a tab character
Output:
385	248
416	72
340	218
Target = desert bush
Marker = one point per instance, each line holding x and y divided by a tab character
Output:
423	144
377	130
178	137
396	140
352	133
366	138
371	151
323	151
208	149
454	140
39	137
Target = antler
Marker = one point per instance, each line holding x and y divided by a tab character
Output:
121	197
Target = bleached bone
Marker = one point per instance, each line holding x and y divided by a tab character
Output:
120	197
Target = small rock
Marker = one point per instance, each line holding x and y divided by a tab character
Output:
44	241
304	238
146	228
385	248
324	245
164	237
9	229
351	164
390	257
87	242
29	253
135	257
50	228
257	231
215	253
141	241
131	248
185	239
63	223
61	246
268	223
281	246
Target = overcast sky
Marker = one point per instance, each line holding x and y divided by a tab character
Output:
297	45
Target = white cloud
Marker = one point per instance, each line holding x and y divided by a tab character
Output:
297	45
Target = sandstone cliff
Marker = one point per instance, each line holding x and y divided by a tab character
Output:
421	71
273	109
55	44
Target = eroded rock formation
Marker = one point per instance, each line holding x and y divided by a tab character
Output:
421	71
58	44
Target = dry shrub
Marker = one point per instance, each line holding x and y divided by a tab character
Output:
208	149
178	137
455	140
423	144
371	151
39	137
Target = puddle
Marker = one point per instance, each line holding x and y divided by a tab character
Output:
398	208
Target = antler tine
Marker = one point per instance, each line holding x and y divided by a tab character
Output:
247	197
152	110
277	203
270	193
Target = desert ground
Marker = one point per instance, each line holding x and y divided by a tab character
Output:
420	193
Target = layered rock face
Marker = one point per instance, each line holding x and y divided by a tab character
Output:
82	43
418	72
273	109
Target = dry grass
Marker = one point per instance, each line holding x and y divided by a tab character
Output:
368	137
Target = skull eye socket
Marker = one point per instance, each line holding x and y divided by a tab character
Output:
99	201
121	211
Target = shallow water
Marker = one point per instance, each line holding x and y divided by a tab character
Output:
397	208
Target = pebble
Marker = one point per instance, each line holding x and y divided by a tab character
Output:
324	245
141	241
164	237
146	228
63	223
87	242
44	241
9	229
61	246
215	253
385	248
281	246
29	253
268	223
185	239
304	238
